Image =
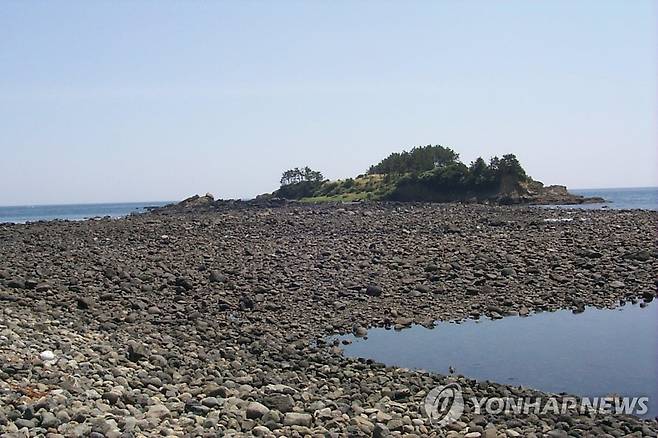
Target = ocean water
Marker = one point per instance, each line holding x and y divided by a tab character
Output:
593	354
33	213
645	198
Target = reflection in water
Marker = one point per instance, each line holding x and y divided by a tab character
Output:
596	353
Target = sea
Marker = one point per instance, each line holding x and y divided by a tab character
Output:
73	212
645	198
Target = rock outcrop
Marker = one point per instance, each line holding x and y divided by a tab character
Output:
536	193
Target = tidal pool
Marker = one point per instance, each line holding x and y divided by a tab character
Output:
595	353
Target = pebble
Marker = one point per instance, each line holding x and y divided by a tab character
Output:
47	356
256	410
297	419
221	328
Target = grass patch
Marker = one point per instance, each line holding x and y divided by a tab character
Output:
343	197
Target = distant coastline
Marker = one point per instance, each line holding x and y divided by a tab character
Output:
618	198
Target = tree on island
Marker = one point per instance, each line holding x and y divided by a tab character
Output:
418	159
440	166
435	172
299	183
297	175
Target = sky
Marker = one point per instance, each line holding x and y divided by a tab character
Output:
108	101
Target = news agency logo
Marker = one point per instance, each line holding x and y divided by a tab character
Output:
445	405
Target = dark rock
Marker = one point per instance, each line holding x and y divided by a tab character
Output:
280	402
213	390
246	303
137	351
110	272
7	297
184	283
373	291
84	302
31	284
49	420
217	277
16	283
508	272
381	431
111	397
589	253
641	255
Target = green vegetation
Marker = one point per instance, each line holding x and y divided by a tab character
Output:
299	183
365	187
298	175
418	159
425	173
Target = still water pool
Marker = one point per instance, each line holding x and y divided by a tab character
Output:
595	353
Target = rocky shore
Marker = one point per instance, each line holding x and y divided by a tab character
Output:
190	323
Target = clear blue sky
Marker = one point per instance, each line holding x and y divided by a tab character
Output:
149	100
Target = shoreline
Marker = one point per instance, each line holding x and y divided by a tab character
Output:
206	314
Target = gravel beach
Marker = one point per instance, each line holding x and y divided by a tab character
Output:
217	323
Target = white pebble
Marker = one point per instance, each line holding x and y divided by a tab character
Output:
47	355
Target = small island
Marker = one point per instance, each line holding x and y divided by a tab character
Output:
431	173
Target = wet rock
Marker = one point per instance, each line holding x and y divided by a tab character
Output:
360	331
